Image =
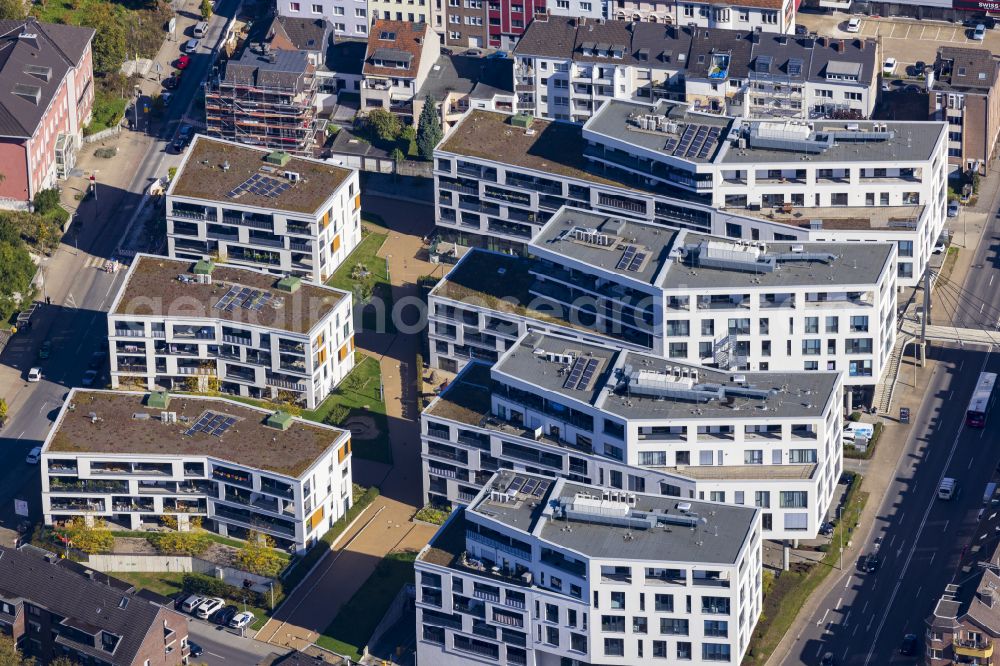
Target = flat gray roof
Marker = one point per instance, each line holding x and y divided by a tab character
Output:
685	130
841	265
698	392
718	536
606	242
899	142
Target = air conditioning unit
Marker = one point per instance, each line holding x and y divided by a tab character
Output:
293	176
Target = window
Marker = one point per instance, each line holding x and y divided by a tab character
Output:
811	347
715	651
360	12
317	9
682	458
801	456
613	623
717	496
812	325
705	458
660	649
551	613
294	6
670	626
338	11
613	647
832	325
859	324
639	625
753	457
677	350
653	458
717	628
762	499
578	642
683	650
708	327
663	603
617	601
793	499
552	635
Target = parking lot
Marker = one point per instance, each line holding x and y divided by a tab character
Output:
907	40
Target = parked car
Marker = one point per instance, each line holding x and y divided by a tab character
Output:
908	647
498	54
225	615
854	25
940	247
979	33
917	68
191	603
953	208
241	620
801	29
191	45
89	377
826	529
195	649
182	62
171	82
209	606
35	375
474	52
45	350
34	455
889	66
827	659
183	138
199	29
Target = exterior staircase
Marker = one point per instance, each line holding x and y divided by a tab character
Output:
884	389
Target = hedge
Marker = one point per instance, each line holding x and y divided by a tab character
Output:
294	574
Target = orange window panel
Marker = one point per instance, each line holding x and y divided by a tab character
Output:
316	519
342	353
336	242
357	201
326	219
322	356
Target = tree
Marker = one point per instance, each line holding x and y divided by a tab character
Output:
385	126
206	9
258	557
429	132
10	655
96	539
12	10
3	411
45	200
397	158
110	42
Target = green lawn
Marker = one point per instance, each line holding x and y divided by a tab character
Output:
358	394
350	630
366	275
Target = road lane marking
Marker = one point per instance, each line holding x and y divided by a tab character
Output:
847	582
823	619
932	558
847	619
865	608
946	525
918	591
855	630
215	655
971	460
840	601
992	275
920	529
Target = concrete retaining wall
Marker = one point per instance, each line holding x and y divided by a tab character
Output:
109	133
127	563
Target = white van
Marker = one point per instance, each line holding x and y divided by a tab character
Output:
859	429
200	28
947	488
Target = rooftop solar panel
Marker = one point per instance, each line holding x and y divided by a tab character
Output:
575	372
529	486
516	484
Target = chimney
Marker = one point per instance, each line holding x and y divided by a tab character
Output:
842	46
861	44
809	42
822	41
986	596
782	39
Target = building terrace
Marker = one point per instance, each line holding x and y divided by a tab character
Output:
108	422
161	287
212	169
840	218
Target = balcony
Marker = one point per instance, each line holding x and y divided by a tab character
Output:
271	380
975	649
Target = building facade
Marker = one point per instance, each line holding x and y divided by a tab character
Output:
183	326
48	83
965	625
348	18
499	178
774	16
698	299
133	458
737	438
587	579
251	207
962	91
57	609
267	98
399	57
566	68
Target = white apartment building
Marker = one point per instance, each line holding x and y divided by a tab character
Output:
768	16
565	69
629	421
348	18
499	179
545	572
180	325
133	459
682	295
251	207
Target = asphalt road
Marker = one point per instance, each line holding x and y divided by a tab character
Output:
223	646
923	539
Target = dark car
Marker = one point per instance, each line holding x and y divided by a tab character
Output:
870	565
224	615
827	659
909	646
171	82
447	52
183	138
826	529
196	650
801	30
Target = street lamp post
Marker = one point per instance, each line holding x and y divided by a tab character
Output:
840	526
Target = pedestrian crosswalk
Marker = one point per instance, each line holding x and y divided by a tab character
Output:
103	264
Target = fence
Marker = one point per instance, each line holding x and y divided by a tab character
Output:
128	563
109	133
